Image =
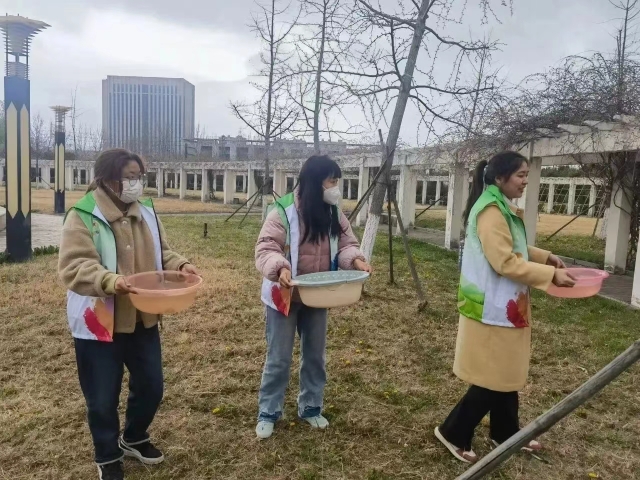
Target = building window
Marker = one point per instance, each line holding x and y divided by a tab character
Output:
243	153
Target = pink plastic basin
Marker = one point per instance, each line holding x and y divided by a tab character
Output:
588	283
165	292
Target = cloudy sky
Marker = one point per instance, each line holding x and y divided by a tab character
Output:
209	43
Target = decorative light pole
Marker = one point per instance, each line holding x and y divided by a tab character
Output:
59	166
18	32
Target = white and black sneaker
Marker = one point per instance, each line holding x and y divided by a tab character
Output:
111	471
143	451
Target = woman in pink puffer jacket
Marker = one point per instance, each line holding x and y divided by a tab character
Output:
305	233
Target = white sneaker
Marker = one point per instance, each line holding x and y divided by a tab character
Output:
264	429
317	422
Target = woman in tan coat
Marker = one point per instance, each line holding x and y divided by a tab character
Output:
109	234
494	334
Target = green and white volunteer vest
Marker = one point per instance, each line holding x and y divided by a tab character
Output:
92	318
271	295
484	295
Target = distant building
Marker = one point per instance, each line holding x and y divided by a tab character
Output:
240	148
147	114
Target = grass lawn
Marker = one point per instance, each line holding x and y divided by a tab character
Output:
389	368
582	247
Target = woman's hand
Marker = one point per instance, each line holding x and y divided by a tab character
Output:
285	278
123	287
563	278
188	268
362	266
555	261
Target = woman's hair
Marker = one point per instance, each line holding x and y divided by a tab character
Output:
109	166
318	217
502	165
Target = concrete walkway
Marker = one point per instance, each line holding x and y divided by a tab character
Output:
45	231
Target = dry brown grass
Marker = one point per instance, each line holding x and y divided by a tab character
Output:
390	379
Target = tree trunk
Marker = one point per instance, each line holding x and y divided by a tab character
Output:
317	106
267	131
377	200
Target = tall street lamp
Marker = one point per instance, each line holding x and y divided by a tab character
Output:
18	32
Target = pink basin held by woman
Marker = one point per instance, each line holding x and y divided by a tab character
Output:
165	292
588	283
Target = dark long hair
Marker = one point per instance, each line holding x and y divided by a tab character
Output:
109	166
502	165
319	218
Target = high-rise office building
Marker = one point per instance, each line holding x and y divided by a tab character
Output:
147	114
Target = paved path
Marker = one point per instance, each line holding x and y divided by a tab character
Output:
45	231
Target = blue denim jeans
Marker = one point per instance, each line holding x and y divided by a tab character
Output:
101	368
311	325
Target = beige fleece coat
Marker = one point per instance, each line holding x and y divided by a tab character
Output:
490	356
80	268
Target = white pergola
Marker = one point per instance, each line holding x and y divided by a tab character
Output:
551	148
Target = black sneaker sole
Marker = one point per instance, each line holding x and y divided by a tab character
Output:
130	452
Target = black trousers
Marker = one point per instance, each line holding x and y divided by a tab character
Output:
101	368
502	407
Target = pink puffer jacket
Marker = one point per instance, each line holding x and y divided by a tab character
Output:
312	257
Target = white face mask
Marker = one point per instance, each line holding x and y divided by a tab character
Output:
131	190
332	195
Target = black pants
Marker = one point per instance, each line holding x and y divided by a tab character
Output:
459	426
101	368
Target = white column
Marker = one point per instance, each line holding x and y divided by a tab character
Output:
363	185
593	198
70	180
531	199
183	183
618	230
349	189
635	292
438	192
244	184
458	194
160	182
195	181
252	188
424	191
571	201
229	186
551	198
46	176
279	182
341	187
205	186
406	195
92	175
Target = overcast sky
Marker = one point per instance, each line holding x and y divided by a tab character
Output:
209	43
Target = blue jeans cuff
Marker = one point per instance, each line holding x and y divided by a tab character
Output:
310	412
266	417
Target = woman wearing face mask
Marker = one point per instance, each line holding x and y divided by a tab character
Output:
494	333
107	235
304	233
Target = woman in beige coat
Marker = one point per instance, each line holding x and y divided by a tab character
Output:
494	334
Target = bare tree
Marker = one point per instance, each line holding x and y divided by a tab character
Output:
580	96
325	38
74	115
273	114
387	73
41	142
